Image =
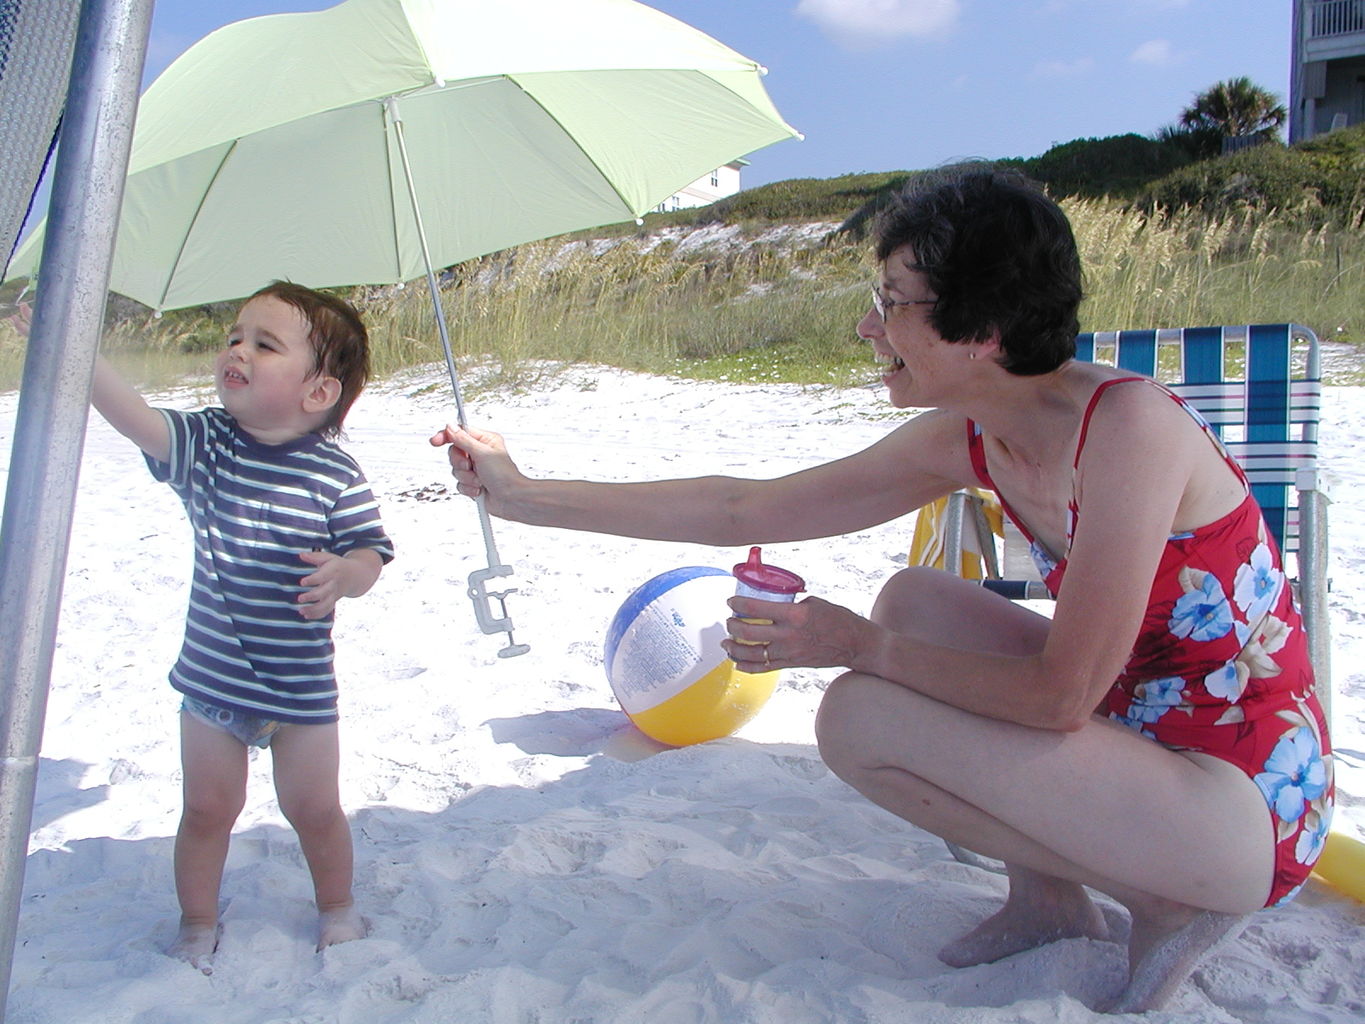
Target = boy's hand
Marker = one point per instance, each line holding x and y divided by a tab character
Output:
21	321
336	576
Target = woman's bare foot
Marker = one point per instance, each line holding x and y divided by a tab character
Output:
1038	910
340	924
195	944
1166	942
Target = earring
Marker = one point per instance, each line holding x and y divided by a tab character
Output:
971	355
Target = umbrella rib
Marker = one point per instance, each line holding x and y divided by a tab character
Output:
393	192
189	230
578	145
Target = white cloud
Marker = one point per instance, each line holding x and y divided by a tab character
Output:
1064	68
1156	52
869	22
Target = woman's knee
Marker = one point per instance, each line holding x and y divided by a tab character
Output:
841	721
907	594
929	604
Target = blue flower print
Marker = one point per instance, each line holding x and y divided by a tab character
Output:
1154	698
1042	561
1312	839
1225	682
1288	897
1294	774
1124	720
1202	613
1258	582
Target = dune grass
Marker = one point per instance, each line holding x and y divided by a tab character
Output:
779	303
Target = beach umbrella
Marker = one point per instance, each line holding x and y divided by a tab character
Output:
377	140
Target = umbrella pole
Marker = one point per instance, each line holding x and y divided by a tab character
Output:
478	592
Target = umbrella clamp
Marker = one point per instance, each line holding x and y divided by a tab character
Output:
480	595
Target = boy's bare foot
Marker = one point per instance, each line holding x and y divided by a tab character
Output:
340	924
1036	912
1164	948
195	944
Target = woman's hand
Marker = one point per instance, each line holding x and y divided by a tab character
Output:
808	634
479	463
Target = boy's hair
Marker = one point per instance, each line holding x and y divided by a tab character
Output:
341	345
999	254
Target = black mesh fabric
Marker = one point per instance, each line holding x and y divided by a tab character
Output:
37	38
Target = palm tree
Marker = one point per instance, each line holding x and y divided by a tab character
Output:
1233	108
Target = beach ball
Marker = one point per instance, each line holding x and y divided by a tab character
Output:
666	666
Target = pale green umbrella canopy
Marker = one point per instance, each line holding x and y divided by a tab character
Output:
267	149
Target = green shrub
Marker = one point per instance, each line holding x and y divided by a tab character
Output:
1340	161
1319	181
1266	177
1118	165
803	199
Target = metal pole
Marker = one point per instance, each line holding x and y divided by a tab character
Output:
87	190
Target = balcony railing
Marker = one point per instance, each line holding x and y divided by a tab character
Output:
1335	17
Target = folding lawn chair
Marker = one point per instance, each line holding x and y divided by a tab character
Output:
1259	387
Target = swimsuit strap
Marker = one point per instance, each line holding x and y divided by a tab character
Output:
976	449
1193	413
1090	411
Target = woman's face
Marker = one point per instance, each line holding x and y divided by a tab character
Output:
913	355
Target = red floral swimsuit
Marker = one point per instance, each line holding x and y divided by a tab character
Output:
1221	662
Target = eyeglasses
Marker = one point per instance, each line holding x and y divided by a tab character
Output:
882	304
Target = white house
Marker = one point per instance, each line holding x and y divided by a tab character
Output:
1327	67
722	182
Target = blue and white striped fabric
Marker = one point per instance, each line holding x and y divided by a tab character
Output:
254	509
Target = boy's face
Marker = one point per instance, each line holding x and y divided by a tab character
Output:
265	375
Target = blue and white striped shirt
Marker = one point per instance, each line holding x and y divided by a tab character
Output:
254	509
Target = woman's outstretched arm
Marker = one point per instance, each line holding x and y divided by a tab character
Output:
895	476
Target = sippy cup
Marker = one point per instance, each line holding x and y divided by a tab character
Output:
765	582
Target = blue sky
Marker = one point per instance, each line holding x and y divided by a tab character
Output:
881	85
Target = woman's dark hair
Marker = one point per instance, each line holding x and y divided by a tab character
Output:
998	254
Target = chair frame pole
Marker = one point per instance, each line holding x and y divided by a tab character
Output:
1314	499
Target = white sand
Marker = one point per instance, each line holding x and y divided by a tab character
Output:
523	853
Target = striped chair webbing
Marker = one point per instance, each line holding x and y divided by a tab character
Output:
1226	405
1270	467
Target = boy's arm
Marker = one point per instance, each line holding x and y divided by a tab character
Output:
128	412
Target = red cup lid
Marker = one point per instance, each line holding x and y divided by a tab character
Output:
768	577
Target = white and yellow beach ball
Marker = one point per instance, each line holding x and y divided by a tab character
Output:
666	666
